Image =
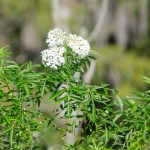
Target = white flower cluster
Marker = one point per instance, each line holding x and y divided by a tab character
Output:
57	39
53	57
79	45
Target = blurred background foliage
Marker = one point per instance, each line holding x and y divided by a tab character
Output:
123	70
119	31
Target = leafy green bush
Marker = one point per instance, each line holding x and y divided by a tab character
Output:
107	122
127	127
21	89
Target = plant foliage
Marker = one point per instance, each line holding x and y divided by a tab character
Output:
107	121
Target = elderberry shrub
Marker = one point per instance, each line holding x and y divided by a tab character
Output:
106	121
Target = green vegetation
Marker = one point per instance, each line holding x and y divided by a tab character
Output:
112	113
108	122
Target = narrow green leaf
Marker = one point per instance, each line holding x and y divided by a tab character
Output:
61	99
117	117
106	135
57	94
119	102
68	109
11	136
73	127
93	111
43	89
93	107
26	89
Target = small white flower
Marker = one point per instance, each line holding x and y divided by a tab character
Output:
79	45
53	57
56	37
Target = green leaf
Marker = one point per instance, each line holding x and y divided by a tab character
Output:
68	109
57	94
1	94
73	127
62	99
43	89
26	89
106	135
11	136
119	102
93	111
117	117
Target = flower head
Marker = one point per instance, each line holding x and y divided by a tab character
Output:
56	37
53	57
78	45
